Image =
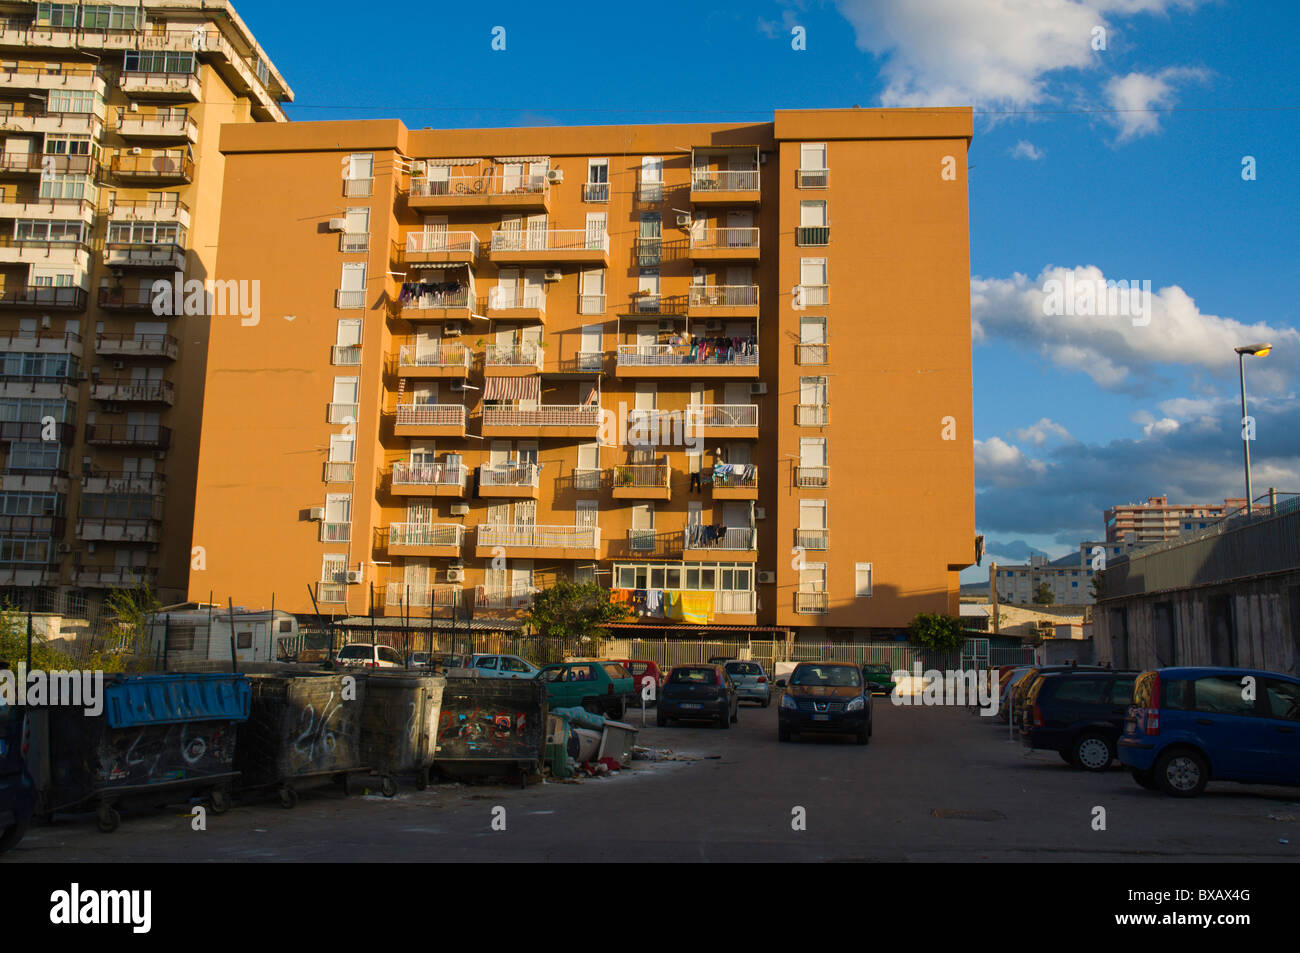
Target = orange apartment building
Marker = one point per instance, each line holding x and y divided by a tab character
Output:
725	359
1157	519
110	179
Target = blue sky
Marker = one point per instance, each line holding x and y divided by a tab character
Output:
1126	160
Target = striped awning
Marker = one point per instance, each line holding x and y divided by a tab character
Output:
513	388
522	158
444	162
440	265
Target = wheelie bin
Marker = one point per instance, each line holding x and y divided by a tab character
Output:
160	739
399	725
491	726
303	730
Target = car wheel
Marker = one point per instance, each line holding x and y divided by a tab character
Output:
1145	779
107	819
1182	772
288	797
1092	752
219	800
593	706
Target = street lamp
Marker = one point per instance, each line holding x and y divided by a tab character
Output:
1254	350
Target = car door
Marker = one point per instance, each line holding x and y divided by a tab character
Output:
486	665
1226	725
1281	714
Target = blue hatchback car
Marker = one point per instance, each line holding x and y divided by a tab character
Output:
1188	726
17	797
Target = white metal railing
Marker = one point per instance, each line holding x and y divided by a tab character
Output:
428	474
736	475
811	353
642	540
514	355
332	532
724	180
550	239
463	298
454	242
723	296
349	299
358	188
512	597
486	183
340	413
642	475
587	478
352	243
338	472
595	191
653	355
714	239
811	538
421	596
726	415
345	355
736	601
812	415
430	415
814	296
547	415
500	300
425	534
509	474
812	476
813	602
591	304
733	538
812	178
529	534
424	355
331	592
650	191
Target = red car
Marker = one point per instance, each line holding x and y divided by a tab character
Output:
642	672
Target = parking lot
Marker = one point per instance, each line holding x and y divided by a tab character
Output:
935	784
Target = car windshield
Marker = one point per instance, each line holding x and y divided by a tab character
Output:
876	669
744	668
838	676
636	668
356	651
692	676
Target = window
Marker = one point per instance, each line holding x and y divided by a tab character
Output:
812	280
812	341
159	61
105	17
1221	695
1121	691
1084	691
813	227
812	173
862	580
652	179
649	246
48	231
57	186
1282	699
145	233
596	188
356	233
349	332
359	180
592	295
67	145
56	14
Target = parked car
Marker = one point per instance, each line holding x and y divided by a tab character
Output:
879	678
600	686
1079	714
1188	726
450	660
17	795
1025	684
720	659
643	671
699	693
751	681
417	660
1008	684
827	697
502	666
370	656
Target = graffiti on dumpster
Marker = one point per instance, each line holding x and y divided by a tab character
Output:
157	753
483	732
319	736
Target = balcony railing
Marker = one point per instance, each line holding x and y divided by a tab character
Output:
517	355
814	603
53	342
812	178
343	413
700	353
811	538
331	593
149	436
156	126
358	188
812	415
422	596
452	242
813	296
811	353
70	298
345	355
812	476
735	601
349	300
732	538
591	304
339	471
587	478
722	239
649	251
114	577
530	535
354	243
486	184
503	299
141	391
147	209
424	355
152	167
136	345
548	415
642	475
428	474
642	540
129	481
509	474
650	192
725	415
550	239
812	235
712	180
37	162
430	415
426	534
723	296
118	529
335	532
140	297
412	298
595	191
515	597
736	476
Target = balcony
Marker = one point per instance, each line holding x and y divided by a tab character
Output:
447	248
509	480
33	119
151	169
812	539
181	87
735	482
64	76
811	354
527	540
401	595
167	256
596	192
490	190
507	305
34	481
511	598
507	360
812	235
542	246
725	244
121	344
735	543
125	390
354	243
812	296
341	412
425	539
60	209
436	301
349	300
36	163
110	530
429	420
168	211
33	431
649	191
591	304
811	603
40	342
548	420
723	301
702	359
30	527
642	481
359	188
428	479
429	361
74	256
334	531
331	593
345	355
812	178
339	471
812	477
156	127
53	299
724	187
136	436
114	577
812	415
726	420
735	602
135	298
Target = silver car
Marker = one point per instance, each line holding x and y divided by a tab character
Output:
752	683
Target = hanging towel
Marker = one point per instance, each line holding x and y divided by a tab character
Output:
697	607
654	603
673	605
637	601
620	596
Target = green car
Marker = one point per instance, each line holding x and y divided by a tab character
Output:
879	678
599	686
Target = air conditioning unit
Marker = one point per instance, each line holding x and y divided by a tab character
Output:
760	513
354	577
160	454
453	328
455	575
134	107
90	548
665	324
136	150
553	274
766	578
683	220
456	563
554	176
46	322
460	509
457	386
112	408
338	225
758	387
714	325
119	365
65	548
316	513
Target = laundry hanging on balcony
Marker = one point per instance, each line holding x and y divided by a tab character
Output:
513	388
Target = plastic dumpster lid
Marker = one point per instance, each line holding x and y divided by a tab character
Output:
138	700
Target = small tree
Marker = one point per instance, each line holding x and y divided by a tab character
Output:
574	609
1098	585
130	611
1043	595
933	630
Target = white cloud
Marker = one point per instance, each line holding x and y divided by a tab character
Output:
1039	433
1003	464
1024	149
1138	98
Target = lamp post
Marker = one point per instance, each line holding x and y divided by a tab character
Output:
1254	350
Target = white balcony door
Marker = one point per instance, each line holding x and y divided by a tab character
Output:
415	576
512	175
499	453
812	514
338	508
507	290
812	452
534	288
536	231
419	510
358	221
735	513
643	516
354	276
346	390
812	390
646	396
332	568
521	575
694	513
342	449
439	179
812	577
587	513
526	513
498	514
812	330
427	342
812	271
512	230
812	156
736	393
348	333
494	580
652	171
590	342
435	233
596	229
647	335
739	220
361	165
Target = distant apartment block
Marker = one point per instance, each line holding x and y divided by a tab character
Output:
1069	584
1157	519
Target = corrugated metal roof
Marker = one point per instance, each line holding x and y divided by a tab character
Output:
416	624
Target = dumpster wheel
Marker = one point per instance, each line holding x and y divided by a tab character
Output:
219	800
422	779
107	818
288	797
388	785
346	780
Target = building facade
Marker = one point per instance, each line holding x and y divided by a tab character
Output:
1157	519
110	180
722	370
1071	585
